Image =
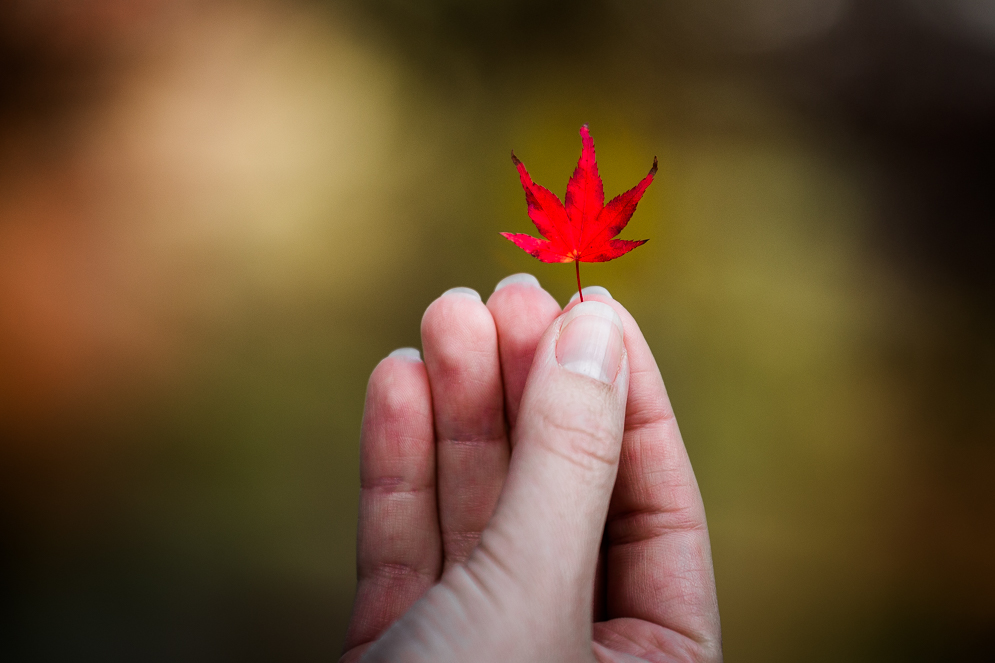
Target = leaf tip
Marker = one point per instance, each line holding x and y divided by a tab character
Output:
653	169
514	159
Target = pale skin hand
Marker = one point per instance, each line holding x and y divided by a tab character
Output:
504	494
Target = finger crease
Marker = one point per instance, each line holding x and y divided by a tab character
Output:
474	441
395	485
657	417
471	536
595	449
645	524
395	571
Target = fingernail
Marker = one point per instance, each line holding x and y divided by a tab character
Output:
590	341
524	278
411	354
467	292
593	290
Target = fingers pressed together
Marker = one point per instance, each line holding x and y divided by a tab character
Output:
529	442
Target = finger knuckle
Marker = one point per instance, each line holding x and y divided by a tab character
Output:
588	441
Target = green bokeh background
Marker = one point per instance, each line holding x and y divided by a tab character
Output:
217	217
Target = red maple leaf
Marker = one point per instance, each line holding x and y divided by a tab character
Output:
582	231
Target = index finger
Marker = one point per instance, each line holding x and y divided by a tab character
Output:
659	564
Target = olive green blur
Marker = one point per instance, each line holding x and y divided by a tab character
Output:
217	217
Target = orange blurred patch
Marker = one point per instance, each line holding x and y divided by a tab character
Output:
66	335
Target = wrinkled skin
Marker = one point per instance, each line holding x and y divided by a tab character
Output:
513	510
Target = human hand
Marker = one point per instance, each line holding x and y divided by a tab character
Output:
526	495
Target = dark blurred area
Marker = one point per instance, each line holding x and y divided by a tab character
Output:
216	217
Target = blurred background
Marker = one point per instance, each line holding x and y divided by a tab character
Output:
217	217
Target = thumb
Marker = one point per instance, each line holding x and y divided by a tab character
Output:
547	526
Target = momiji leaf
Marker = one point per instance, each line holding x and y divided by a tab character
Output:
583	229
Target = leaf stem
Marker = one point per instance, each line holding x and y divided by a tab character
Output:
579	291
